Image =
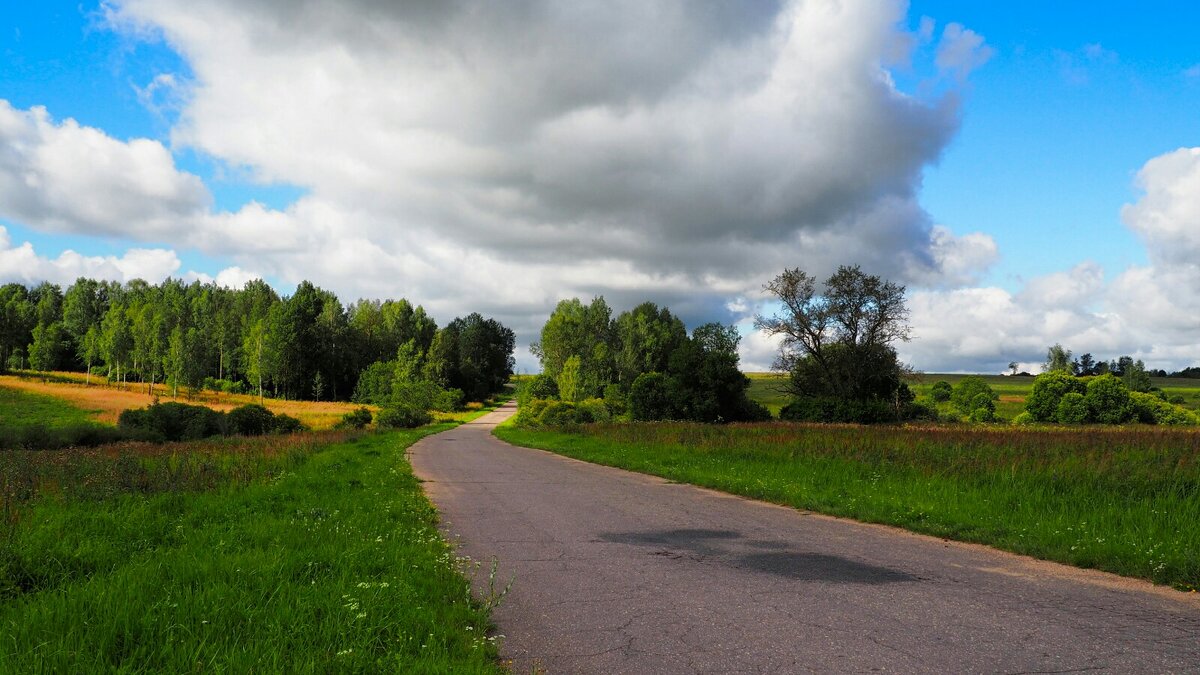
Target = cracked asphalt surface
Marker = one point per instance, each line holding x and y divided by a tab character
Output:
617	572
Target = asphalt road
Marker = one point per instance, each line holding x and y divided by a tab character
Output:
616	572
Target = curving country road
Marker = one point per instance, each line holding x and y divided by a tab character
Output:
616	572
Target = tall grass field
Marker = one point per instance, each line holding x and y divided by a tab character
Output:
1126	500
308	553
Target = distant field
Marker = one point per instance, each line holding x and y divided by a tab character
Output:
765	388
104	404
20	408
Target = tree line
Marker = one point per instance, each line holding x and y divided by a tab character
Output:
304	346
1135	373
643	363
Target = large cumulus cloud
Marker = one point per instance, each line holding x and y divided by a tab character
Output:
580	146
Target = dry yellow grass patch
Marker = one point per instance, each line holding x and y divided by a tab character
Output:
105	403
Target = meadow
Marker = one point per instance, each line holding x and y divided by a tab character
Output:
767	389
104	402
309	552
302	553
1125	500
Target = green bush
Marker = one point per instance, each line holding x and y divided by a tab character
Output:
1072	409
250	420
1108	400
594	409
830	409
559	413
650	398
941	391
356	419
920	412
543	387
1149	409
1048	390
615	400
402	417
983	414
1024	419
449	400
969	389
173	421
753	411
286	424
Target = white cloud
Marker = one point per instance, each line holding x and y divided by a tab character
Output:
448	161
22	264
1150	312
1167	217
63	177
748	138
961	50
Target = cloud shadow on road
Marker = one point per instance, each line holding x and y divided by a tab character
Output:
728	547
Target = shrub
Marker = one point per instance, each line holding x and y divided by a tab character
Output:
173	421
449	400
753	411
950	416
1048	390
286	424
559	413
920	412
375	383
543	387
985	401
831	409
594	409
614	399
1108	400
941	391
1072	409
1149	409
969	389
356	419
250	420
650	398
1024	419
401	417
530	414
983	415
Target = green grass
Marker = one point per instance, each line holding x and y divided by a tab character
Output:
1123	500
19	409
308	553
766	389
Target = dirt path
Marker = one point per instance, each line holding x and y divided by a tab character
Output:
617	572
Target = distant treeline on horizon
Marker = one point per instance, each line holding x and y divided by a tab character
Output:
304	346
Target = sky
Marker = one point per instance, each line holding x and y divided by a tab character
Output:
1030	171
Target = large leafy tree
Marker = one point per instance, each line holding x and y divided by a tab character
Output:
646	336
485	355
838	338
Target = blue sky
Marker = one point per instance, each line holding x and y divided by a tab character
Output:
1072	101
1075	99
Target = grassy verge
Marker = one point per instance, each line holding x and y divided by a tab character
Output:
1122	500
307	553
